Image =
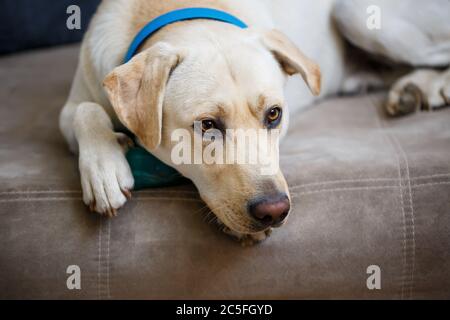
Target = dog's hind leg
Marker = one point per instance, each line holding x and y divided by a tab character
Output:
423	89
416	34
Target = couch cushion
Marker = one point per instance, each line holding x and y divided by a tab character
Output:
366	190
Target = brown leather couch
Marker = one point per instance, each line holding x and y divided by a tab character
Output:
367	190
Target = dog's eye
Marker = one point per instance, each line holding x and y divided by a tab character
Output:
273	117
208	125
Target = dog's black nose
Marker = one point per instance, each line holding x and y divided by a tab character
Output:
270	210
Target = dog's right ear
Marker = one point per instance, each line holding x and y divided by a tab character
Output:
136	91
292	60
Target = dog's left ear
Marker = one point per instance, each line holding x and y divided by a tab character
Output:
292	60
136	91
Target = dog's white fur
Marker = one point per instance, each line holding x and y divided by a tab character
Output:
88	119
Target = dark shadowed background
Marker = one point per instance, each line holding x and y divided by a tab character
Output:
28	24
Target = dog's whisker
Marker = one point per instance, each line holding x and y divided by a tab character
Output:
202	209
210	216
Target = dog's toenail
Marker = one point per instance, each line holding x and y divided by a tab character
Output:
127	193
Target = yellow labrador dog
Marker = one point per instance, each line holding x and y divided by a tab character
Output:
216	74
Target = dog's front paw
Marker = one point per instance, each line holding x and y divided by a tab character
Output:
106	177
421	90
248	240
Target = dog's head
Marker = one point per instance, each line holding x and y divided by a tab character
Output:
210	86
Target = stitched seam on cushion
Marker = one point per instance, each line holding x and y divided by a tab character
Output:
79	191
412	219
313	184
441	175
37	191
386	136
168	191
108	289
345	189
430	184
199	200
168	199
79	198
402	204
99	259
103	260
363	180
367	188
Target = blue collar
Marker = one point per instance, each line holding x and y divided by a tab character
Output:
180	15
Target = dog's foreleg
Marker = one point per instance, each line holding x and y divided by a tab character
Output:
105	174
